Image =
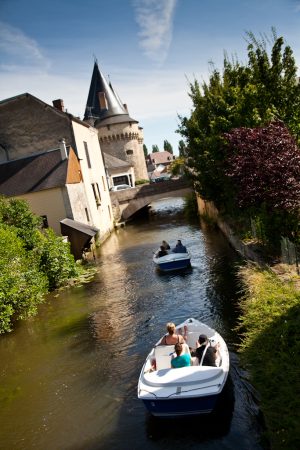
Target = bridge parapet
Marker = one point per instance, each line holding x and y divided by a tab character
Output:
127	202
150	189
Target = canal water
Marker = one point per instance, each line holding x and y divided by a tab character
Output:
68	377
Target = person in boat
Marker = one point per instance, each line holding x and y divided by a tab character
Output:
181	359
165	245
210	355
179	248
172	338
161	252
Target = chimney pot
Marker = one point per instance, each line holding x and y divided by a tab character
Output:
63	149
59	104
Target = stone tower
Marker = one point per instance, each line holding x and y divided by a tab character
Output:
119	134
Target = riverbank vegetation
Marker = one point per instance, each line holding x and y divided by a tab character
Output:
33	261
242	141
270	349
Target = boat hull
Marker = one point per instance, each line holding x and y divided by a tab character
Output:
181	407
173	261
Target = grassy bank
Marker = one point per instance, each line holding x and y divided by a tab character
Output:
270	350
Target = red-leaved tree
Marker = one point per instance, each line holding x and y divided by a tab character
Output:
264	164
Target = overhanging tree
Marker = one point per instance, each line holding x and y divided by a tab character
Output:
244	95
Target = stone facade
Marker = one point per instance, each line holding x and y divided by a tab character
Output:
125	141
29	126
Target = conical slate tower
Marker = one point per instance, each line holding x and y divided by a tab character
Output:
119	134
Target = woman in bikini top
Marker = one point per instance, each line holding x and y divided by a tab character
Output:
171	338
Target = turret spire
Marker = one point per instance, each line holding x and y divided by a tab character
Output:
103	103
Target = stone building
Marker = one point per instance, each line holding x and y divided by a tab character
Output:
54	161
119	134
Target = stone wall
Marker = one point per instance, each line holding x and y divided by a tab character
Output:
208	209
125	141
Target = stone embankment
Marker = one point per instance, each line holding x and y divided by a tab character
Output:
284	271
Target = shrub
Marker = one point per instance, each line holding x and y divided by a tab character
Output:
16	214
141	182
22	286
55	259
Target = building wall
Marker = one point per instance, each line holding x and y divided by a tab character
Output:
93	173
119	140
129	173
28	126
50	203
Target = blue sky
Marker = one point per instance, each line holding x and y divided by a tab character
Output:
148	48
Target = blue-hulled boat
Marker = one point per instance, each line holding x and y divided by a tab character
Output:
173	261
168	392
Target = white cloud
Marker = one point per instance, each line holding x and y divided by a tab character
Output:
16	46
155	21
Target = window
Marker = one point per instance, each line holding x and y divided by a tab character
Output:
129	152
120	180
45	222
87	214
96	192
87	154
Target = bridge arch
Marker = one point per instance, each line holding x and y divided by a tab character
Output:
126	203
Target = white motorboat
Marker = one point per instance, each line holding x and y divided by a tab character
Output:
168	392
173	261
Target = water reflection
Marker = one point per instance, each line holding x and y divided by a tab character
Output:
69	376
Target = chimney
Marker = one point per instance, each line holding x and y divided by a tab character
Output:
59	104
63	150
102	100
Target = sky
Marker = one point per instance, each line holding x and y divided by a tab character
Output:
149	49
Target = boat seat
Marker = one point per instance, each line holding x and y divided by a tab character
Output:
163	355
192	338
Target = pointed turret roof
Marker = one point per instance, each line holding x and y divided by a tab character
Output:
111	110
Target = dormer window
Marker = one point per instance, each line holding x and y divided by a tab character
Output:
102	100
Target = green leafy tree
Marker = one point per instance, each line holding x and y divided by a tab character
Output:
177	166
168	147
145	150
181	148
250	95
155	148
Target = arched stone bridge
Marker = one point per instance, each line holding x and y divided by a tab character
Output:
128	202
